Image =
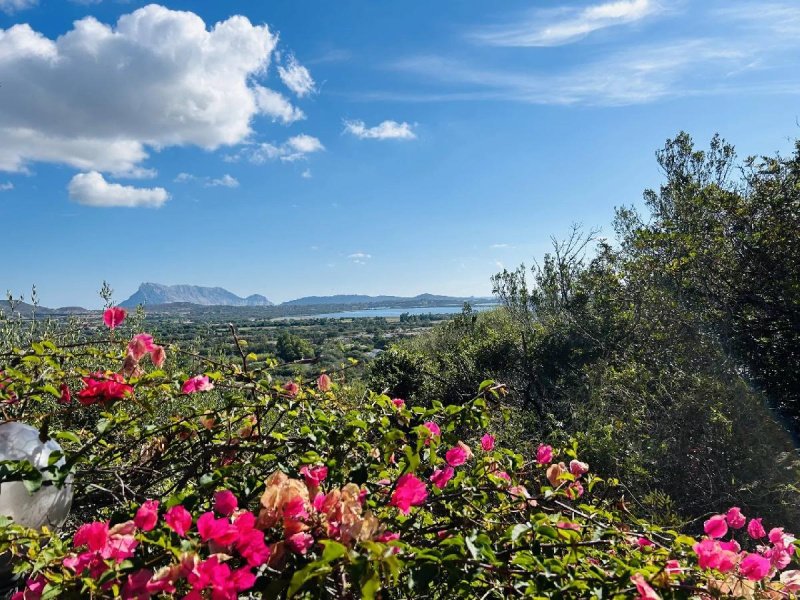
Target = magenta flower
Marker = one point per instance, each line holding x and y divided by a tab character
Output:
643	542
291	388
716	526
387	536
409	492
114	316
225	502
314	475
219	530
66	394
755	567
432	427
456	456
574	490
673	567
398	402
643	588
735	518
300	543
544	454
140	344
440	477
178	519
198	383
713	555
755	529
147	515
487	442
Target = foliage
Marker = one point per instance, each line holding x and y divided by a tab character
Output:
243	484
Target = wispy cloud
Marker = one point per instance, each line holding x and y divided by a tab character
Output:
4	187
297	147
224	181
554	27
386	130
359	258
296	77
498	246
10	6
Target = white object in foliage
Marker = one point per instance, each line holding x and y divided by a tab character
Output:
50	504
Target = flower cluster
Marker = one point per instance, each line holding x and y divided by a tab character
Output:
103	387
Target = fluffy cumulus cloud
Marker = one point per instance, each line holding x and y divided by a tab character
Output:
297	147
224	181
387	130
554	27
92	189
99	96
296	77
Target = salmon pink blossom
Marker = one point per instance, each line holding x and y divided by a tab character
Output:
158	356
291	388
578	468
140	344
716	526
409	492
643	588
487	442
791	581
198	383
324	383
114	316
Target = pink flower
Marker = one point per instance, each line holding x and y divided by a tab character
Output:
544	454
409	492
324	383
791	581
440	477
198	383
643	542
113	317
178	519
433	428
92	535
735	518
574	490
102	388
225	502
34	588
755	567
398	402
568	525
487	442
456	456
643	588
295	509
147	515
66	394
158	356
712	555
387	536
314	475
300	543
140	345
673	567
578	468
291	388
219	530
716	526
755	529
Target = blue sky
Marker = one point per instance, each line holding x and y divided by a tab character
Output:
295	148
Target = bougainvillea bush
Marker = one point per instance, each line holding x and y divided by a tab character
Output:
199	479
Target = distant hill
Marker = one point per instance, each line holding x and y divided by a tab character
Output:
26	310
349	299
151	294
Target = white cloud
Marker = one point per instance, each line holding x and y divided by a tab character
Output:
296	77
10	6
295	148
497	246
387	130
275	105
224	181
554	27
359	258
92	189
4	187
184	177
99	96
306	174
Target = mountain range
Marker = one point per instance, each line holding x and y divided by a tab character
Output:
154	293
